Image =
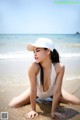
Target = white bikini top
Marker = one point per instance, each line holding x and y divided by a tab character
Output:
49	92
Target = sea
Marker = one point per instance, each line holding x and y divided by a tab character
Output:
14	57
13	46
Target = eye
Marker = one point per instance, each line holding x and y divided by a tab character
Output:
37	50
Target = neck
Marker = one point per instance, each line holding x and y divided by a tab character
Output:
46	64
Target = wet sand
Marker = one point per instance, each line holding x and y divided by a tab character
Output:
71	112
14	80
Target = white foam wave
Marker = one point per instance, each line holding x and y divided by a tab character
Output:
29	55
15	55
73	78
69	55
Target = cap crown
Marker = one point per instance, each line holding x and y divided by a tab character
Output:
42	43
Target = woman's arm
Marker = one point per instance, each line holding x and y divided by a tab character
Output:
32	72
57	88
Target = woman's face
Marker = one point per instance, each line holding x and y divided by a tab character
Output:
40	54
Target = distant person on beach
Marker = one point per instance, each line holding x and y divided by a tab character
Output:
46	76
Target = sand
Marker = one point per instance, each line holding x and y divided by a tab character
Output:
14	80
71	112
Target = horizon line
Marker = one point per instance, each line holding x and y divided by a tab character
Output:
38	33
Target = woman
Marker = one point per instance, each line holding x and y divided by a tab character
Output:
46	76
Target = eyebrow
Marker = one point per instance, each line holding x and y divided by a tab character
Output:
36	49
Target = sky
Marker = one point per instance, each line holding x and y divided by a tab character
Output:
39	17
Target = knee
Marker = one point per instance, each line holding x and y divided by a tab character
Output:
13	103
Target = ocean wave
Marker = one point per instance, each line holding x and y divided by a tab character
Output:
15	55
70	55
73	78
29	55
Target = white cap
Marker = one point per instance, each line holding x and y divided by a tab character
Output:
41	43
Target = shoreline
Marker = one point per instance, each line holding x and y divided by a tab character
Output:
14	71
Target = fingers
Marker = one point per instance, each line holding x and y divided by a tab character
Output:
56	114
34	115
31	114
53	115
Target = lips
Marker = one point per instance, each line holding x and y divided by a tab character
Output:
36	58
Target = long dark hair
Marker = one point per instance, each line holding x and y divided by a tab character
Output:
55	56
54	59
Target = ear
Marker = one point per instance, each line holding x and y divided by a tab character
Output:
48	51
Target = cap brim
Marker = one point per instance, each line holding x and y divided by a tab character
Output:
30	47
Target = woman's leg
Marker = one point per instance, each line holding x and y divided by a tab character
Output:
69	98
21	100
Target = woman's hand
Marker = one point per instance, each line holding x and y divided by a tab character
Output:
57	115
31	114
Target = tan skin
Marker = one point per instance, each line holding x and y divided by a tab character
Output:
42	56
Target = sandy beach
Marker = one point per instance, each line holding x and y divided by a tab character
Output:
14	80
70	111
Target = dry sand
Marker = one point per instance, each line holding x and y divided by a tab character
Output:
70	111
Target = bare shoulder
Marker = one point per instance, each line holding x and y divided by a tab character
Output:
34	68
59	67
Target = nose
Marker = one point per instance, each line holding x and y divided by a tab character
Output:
35	54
